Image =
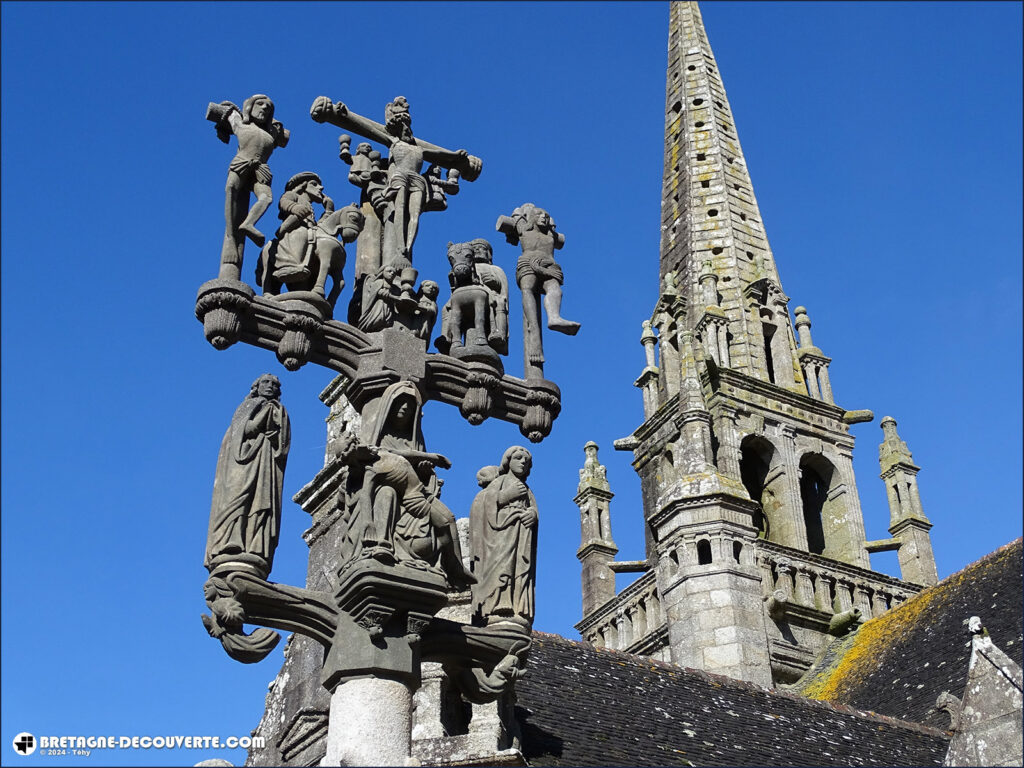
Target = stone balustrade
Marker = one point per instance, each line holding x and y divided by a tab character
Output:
829	586
632	621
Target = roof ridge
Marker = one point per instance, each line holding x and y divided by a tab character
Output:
994	554
840	708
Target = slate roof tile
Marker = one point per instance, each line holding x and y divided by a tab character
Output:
586	706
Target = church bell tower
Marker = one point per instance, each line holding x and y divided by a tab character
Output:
755	537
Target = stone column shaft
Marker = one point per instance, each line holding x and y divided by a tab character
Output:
793	505
822	593
826	385
723	345
804	587
844	596
854	553
369	724
812	380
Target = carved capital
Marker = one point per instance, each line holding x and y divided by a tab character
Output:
220	306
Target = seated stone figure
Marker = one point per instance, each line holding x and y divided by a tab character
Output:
392	505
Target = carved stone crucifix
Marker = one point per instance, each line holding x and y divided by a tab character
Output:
407	188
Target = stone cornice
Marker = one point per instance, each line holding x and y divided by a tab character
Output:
597	547
591	490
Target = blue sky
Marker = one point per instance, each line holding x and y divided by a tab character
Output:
883	140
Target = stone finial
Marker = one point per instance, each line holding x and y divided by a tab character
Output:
892	449
593	474
975	627
803	327
649	339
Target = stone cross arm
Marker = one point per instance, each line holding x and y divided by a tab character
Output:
375	360
238	597
336	113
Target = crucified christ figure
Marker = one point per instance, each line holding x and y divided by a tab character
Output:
407	189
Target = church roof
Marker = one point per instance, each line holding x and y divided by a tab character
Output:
581	705
898	663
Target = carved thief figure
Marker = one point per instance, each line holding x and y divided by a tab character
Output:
537	273
258	134
245	515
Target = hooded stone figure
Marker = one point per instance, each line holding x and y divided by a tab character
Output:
503	532
245	515
394	513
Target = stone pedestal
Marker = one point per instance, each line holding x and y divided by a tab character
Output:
370	723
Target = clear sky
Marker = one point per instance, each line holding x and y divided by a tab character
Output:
884	143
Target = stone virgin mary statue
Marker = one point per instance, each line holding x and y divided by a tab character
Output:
245	515
393	510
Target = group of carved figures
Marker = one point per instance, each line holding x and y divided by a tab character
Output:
392	511
399	555
305	250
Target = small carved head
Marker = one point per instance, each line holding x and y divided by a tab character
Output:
258	109
396	116
267	385
460	256
429	289
534	217
363	148
518	461
306	182
482	252
485	475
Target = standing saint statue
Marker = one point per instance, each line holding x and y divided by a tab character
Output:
258	134
245	515
537	273
503	532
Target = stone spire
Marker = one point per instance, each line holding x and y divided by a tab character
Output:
713	236
597	550
907	521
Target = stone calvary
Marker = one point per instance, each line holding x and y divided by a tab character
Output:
397	557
